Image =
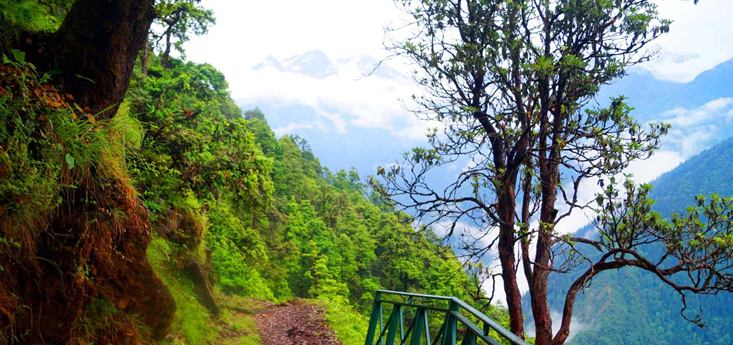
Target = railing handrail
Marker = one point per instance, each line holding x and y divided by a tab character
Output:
410	294
513	338
456	305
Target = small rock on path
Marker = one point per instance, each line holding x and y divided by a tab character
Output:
289	324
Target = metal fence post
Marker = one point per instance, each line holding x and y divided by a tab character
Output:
394	319
449	337
374	320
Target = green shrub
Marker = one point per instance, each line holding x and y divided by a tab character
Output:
350	326
103	322
236	252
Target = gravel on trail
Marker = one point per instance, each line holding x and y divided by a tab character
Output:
289	324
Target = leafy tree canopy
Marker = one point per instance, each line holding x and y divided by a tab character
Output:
513	84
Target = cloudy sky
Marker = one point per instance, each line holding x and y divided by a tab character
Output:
347	106
246	33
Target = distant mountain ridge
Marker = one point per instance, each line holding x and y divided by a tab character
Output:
650	97
317	64
365	148
313	63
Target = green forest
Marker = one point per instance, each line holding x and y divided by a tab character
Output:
229	214
140	204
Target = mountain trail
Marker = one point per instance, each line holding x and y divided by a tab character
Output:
294	324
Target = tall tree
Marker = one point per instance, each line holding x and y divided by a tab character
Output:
513	84
179	19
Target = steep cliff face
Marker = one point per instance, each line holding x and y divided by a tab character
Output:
72	230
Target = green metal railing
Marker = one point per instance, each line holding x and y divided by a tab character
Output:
456	323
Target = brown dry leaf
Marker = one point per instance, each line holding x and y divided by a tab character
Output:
54	99
91	118
69	97
54	104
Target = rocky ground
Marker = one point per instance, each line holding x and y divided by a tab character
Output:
294	324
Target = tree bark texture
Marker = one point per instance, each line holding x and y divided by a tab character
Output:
95	49
507	258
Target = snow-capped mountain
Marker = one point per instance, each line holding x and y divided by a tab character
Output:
318	65
313	63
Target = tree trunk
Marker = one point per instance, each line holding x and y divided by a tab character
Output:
549	173
167	52
95	49
146	55
507	259
540	276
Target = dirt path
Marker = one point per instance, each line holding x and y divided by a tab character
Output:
289	324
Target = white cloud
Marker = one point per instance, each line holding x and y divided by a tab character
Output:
575	325
645	171
293	127
346	100
336	119
248	31
699	38
342	99
694	130
416	129
681	117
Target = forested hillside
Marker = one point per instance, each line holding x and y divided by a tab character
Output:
643	310
261	211
226	212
